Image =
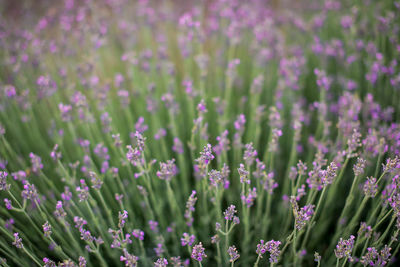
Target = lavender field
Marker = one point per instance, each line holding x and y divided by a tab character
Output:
199	133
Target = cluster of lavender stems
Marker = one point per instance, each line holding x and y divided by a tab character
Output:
199	133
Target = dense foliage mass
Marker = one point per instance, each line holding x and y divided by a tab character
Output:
210	133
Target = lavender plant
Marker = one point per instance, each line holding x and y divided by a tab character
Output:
199	133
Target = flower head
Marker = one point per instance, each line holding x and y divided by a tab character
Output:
344	248
198	253
233	254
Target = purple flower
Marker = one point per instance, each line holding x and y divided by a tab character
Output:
178	146
243	174
344	248
167	170
328	175
30	192
391	164
215	178
233	254
36	163
17	241
3	181
66	195
206	156
301	215
9	91
54	154
65	112
60	212
272	247
162	262
190	208
96	182
159	250
83	191
153	226
8	203
47	229
129	259
230	212
249	199
198	253
223	143
365	230
187	240
269	183
273	144
82	261
139	234
49	263
8	224
122	216
134	154
359	167
140	126
240	122
249	154
370	187
353	143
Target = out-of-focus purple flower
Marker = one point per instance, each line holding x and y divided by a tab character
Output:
159	250
162	262
269	184
391	165
49	263
36	163
30	192
3	181
55	154
82	261
251	196
9	91
47	229
129	259
223	143
60	212
139	234
66	111
346	21
243	174
153	226
17	241
198	253
122	216
249	154
167	170
8	204
272	247
230	212
178	146
301	215
187	240
365	230
96	181
353	144
83	191
359	167
140	126
370	187
190	208
344	248
233	254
